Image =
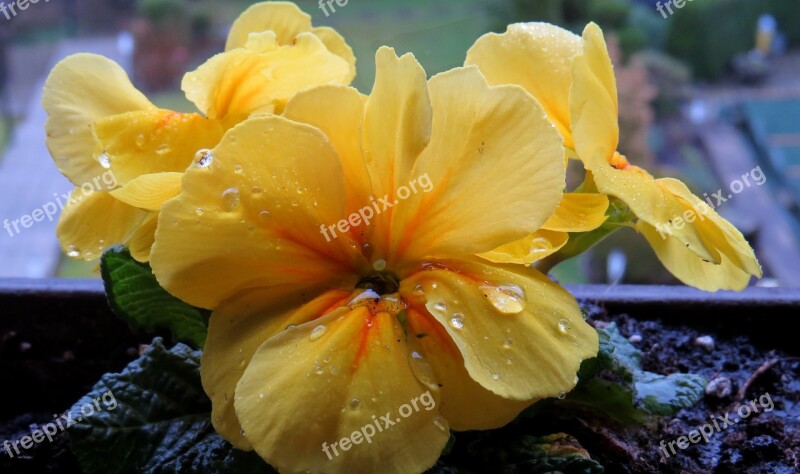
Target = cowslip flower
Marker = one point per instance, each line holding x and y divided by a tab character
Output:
312	339
98	123
573	78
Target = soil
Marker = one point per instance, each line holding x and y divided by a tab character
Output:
45	369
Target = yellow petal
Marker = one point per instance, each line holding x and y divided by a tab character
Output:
338	46
236	329
150	191
495	313
397	127
252	217
529	249
339	112
690	268
314	385
494	169
465	404
536	56
143	238
579	212
715	231
93	221
154	141
80	90
261	77
593	105
284	18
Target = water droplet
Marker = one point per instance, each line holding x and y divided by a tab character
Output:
367	294
263	214
199	211
203	158
256	190
419	290
140	140
162	150
457	321
507	343
73	252
563	326
495	376
104	160
440	306
244	434
295	203
562	395
508	299
434	285
237	169
318	332
261	395
379	265
509	361
439	422
355	403
318	370
416	355
230	199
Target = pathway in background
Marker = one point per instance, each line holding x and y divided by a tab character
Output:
29	179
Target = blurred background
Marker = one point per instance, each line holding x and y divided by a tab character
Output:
709	92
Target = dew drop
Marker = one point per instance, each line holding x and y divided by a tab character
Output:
416	355
508	299
162	150
237	169
203	158
140	140
73	252
379	265
261	395
457	321
199	211
419	290
318	332
104	160
439	422
495	376
263	214
256	190
507	343
440	306
562	395
509	361
563	326
355	403
318	370
230	199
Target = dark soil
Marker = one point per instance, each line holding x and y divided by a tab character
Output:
45	367
763	442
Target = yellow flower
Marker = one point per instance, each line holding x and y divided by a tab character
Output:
99	125
340	294
573	79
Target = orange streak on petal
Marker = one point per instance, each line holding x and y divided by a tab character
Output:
369	323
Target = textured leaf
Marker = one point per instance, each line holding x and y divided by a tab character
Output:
135	295
154	417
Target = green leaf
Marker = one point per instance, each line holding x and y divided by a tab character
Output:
154	417
135	295
614	386
666	395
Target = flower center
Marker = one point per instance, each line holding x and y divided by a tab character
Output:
381	282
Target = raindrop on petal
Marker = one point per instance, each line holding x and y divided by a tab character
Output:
230	199
318	332
203	158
